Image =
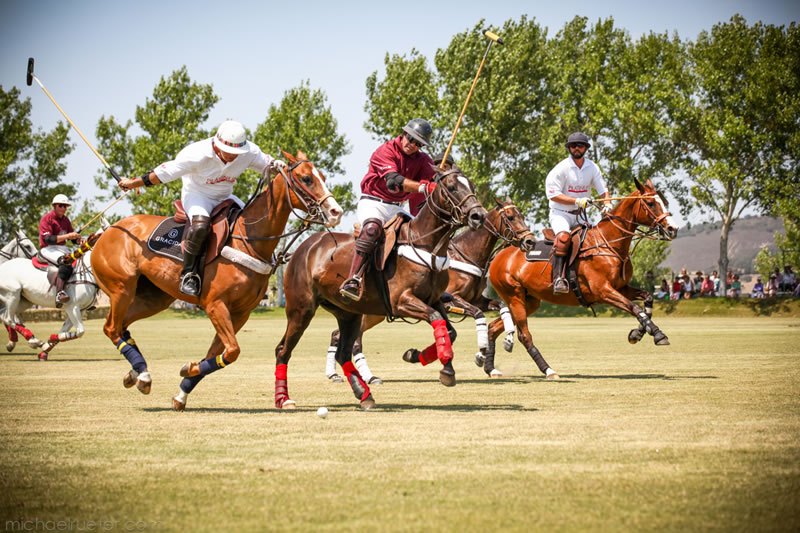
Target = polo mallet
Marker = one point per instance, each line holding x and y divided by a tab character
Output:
493	38
29	81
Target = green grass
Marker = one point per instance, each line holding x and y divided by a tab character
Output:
700	435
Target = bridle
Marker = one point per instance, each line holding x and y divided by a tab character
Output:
16	248
506	231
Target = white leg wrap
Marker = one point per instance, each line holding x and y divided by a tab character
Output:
508	323
68	336
483	332
508	343
360	363
330	363
549	371
181	397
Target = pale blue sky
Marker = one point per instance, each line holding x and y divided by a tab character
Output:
105	57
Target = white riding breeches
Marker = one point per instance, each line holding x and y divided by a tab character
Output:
198	205
562	221
52	253
373	209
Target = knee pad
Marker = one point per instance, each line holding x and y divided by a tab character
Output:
371	231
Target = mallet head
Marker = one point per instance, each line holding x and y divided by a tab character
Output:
29	79
493	36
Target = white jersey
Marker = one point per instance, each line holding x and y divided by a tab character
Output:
566	178
204	173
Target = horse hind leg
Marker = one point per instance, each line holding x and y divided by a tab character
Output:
330	361
645	318
299	312
519	313
350	329
359	359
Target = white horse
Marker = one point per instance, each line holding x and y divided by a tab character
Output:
19	246
23	285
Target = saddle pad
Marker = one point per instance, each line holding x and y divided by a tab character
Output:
166	239
541	252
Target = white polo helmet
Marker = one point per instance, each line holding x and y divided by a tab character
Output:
60	199
231	137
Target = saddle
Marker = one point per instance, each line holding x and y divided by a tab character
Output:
543	249
388	241
40	262
167	238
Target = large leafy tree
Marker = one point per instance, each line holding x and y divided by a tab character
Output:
743	123
32	166
170	120
304	121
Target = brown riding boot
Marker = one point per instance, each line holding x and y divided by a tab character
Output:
560	251
64	273
192	248
365	244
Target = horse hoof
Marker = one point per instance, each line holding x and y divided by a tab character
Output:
508	345
552	376
411	356
43	356
336	378
480	359
35	343
634	336
289	405
129	380
447	379
375	380
664	341
178	405
495	373
144	382
190	370
368	403
10	346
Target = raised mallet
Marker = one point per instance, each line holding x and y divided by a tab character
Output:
31	77
493	38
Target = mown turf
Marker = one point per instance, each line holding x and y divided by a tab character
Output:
700	435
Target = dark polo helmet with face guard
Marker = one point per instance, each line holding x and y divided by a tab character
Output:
578	137
420	130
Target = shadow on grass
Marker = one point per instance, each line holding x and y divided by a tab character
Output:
385	407
634	376
465	381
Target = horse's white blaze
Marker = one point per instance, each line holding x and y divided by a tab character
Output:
317	175
464	181
670	221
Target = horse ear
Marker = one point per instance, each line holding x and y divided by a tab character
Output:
289	157
649	184
509	200
301	155
499	203
639	185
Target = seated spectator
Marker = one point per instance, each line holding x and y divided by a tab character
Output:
772	287
736	287
677	289
715	280
787	285
662	293
778	276
729	279
698	281
758	289
688	288
707	288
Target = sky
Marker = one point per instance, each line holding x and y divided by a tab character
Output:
105	57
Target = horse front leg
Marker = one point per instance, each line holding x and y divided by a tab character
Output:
443	333
359	359
520	307
460	306
350	331
73	318
622	299
495	329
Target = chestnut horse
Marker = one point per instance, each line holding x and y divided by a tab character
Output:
416	276
470	253
141	283
604	271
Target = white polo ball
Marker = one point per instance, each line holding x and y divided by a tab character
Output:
322	412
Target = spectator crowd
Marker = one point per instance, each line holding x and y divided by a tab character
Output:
684	286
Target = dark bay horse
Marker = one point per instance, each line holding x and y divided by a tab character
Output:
470	253
415	276
604	271
141	283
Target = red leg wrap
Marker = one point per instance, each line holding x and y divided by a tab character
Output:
12	334
53	339
280	372
428	355
349	369
281	386
25	332
444	349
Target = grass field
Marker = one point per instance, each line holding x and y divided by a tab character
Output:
700	435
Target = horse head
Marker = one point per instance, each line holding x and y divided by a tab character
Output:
649	208
509	224
307	190
454	199
21	246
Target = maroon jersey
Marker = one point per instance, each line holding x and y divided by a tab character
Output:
389	157
52	225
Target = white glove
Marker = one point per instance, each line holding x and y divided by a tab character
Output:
582	202
606	208
277	165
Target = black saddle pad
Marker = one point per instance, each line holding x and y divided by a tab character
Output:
541	252
166	239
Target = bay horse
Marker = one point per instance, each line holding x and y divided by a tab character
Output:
604	271
415	277
24	284
140	283
469	253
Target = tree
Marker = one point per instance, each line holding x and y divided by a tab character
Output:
304	121
170	120
742	121
32	166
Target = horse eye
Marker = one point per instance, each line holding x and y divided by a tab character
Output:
451	188
511	217
307	180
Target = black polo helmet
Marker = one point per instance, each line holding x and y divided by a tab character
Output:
420	130
437	159
578	137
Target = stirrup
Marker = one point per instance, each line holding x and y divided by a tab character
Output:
61	298
560	286
351	288
190	284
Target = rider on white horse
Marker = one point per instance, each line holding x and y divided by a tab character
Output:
55	229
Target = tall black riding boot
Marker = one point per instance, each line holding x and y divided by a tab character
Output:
560	285
64	273
192	248
371	230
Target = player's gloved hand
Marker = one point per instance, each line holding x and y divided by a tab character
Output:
277	165
427	187
606	209
583	202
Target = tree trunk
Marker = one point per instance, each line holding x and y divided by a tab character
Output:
723	256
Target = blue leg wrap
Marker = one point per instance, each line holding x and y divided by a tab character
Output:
188	384
207	366
128	348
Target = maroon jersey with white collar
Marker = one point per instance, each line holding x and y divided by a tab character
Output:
389	157
52	225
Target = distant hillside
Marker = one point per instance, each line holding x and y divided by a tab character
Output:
697	247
